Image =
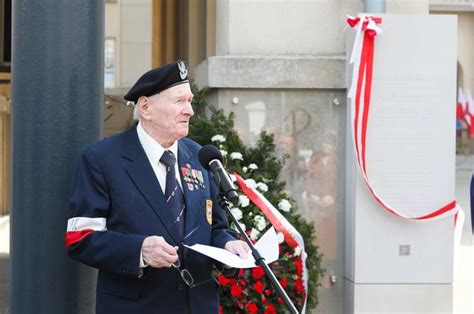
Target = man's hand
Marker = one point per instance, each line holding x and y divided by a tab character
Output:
157	253
238	247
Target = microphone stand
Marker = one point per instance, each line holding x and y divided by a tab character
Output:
259	260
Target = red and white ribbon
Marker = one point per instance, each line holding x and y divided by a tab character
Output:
367	28
292	237
80	227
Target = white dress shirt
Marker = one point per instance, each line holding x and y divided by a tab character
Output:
154	151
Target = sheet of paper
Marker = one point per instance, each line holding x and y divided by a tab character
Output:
267	246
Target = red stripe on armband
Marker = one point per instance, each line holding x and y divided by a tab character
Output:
73	237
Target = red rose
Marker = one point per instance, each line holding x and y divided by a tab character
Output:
258	286
223	280
264	300
283	282
280	300
270	309
242	282
268	292
241	272
252	308
235	291
221	309
299	286
257	273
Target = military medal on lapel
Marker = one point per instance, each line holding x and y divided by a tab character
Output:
187	176
193	178
209	211
200	180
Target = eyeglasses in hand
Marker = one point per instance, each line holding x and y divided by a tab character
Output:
188	278
185	274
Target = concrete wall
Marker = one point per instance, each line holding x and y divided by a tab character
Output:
135	40
129	23
407	6
281	27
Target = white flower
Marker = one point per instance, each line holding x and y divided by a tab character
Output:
297	251
223	152
218	138
232	177
244	169
251	183
262	186
237	213
280	237
244	201
284	205
241	225
253	167
236	155
260	222
254	234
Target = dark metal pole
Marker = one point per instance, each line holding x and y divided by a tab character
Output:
57	95
374	6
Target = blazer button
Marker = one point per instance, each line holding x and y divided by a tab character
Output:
180	287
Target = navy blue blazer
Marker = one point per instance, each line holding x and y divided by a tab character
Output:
116	203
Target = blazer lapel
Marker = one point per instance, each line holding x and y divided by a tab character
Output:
191	197
140	171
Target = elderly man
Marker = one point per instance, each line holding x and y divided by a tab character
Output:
139	196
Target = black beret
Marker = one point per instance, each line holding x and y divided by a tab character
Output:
159	79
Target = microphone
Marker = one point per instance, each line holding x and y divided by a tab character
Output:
210	158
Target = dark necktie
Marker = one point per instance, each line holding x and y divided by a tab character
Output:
173	194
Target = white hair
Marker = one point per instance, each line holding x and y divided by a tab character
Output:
136	113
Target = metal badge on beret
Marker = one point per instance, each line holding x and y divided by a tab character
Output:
183	70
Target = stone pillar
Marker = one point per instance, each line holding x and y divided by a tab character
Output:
397	265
